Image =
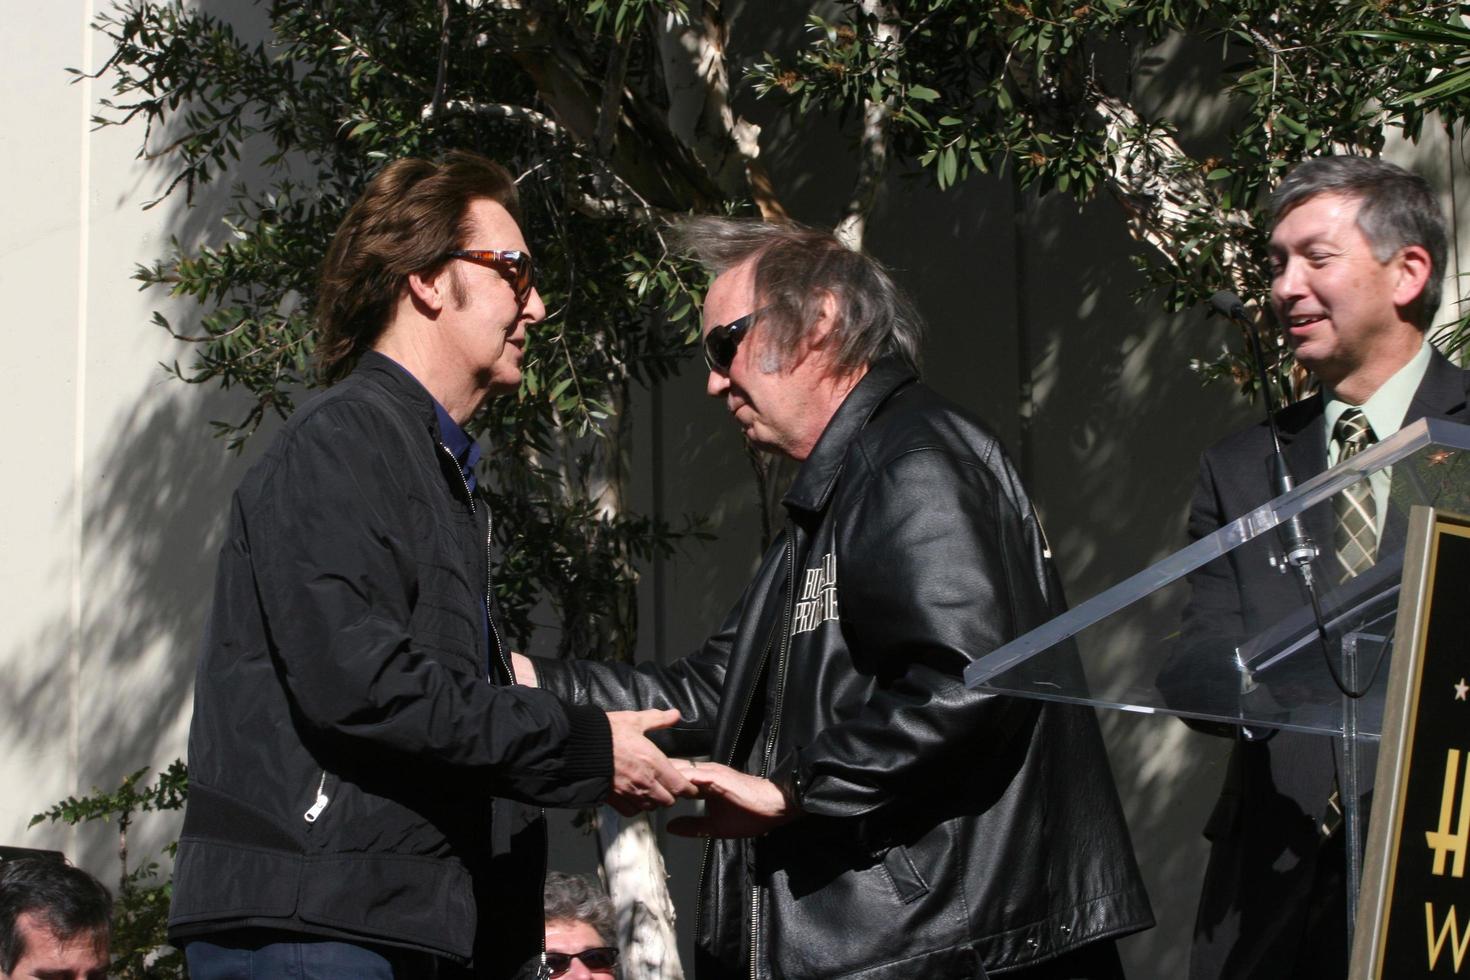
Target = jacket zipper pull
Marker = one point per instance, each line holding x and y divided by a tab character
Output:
321	802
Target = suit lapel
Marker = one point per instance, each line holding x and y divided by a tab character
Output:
1442	392
1440	395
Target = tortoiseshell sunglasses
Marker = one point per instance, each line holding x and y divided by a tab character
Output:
516	266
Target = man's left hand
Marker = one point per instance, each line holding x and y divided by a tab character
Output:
525	673
737	804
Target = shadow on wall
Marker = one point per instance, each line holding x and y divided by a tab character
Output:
200	220
152	506
154	503
1118	427
155	508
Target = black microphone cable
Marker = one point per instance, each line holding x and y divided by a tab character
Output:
1299	549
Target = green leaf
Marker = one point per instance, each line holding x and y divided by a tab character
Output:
1291	124
948	165
1453	83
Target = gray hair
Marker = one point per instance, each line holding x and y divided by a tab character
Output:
1396	209
578	898
794	266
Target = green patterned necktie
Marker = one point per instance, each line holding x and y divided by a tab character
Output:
1357	514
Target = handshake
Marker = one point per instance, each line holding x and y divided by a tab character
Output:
737	804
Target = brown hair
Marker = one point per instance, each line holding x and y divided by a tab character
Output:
412	213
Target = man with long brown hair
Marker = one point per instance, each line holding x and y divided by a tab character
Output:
365	776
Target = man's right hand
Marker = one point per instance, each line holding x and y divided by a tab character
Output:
643	777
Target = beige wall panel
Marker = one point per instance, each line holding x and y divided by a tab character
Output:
109	538
41	152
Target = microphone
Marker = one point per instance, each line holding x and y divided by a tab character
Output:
1296	543
1228	304
1298	547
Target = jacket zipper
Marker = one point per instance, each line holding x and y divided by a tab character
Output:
779	678
321	801
781	658
495	637
709	843
489	617
489	538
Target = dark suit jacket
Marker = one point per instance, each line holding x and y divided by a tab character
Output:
1273	901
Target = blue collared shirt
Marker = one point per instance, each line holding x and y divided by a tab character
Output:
466	452
458	441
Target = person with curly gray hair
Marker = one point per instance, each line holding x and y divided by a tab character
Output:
581	931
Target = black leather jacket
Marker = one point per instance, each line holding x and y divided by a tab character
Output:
942	828
352	772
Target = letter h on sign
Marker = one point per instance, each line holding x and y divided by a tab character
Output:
1442	842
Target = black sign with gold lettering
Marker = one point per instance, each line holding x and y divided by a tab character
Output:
1418	883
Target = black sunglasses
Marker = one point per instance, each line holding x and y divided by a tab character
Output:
596	958
721	341
516	266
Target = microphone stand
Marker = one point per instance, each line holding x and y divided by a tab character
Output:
1299	552
1297	547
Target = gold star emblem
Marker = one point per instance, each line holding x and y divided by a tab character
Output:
1440	456
1461	689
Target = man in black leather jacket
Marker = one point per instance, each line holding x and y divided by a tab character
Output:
869	815
363	775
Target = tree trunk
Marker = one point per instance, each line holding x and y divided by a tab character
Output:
1159	185
873	147
697	80
634	872
632	865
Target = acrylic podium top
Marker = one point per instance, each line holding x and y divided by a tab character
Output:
1168	640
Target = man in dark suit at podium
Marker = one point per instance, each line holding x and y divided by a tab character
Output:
1357	257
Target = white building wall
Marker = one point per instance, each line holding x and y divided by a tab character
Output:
41	151
114	489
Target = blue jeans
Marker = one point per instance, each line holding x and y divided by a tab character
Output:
281	956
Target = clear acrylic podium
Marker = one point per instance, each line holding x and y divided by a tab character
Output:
1136	653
